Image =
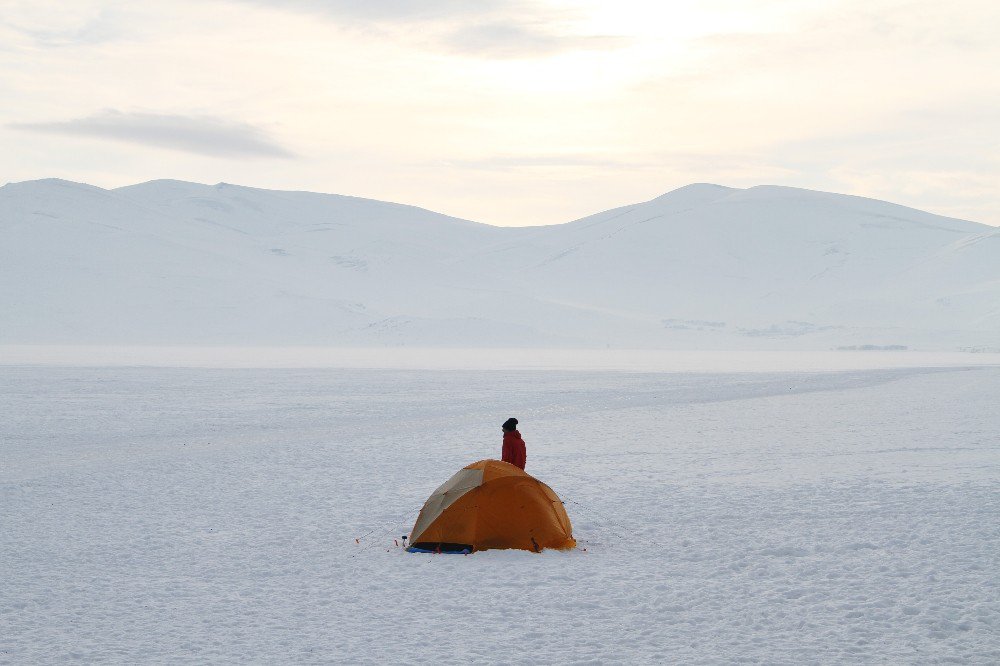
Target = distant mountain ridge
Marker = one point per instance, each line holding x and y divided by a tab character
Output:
703	266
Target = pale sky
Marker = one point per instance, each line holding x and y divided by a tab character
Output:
510	112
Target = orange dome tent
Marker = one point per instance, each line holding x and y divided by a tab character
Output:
491	504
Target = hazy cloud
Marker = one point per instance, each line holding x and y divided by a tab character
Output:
512	162
93	33
194	134
511	40
487	28
395	11
729	168
48	27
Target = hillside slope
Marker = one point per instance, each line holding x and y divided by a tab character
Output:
705	266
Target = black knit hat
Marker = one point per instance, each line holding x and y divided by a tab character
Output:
510	424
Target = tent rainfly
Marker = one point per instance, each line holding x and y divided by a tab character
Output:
491	504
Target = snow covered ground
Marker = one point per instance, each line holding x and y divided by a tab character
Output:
192	515
702	267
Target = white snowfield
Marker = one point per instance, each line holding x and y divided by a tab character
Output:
702	267
199	515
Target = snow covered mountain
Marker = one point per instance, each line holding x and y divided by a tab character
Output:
169	262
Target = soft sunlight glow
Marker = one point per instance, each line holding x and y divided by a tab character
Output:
513	113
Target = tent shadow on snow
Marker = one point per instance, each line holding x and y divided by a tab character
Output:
491	504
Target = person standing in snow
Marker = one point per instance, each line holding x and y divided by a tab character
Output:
514	451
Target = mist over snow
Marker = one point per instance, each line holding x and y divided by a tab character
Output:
704	266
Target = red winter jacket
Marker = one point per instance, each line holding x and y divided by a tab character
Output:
513	449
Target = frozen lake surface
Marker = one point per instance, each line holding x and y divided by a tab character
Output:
192	515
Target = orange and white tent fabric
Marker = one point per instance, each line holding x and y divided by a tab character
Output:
492	504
